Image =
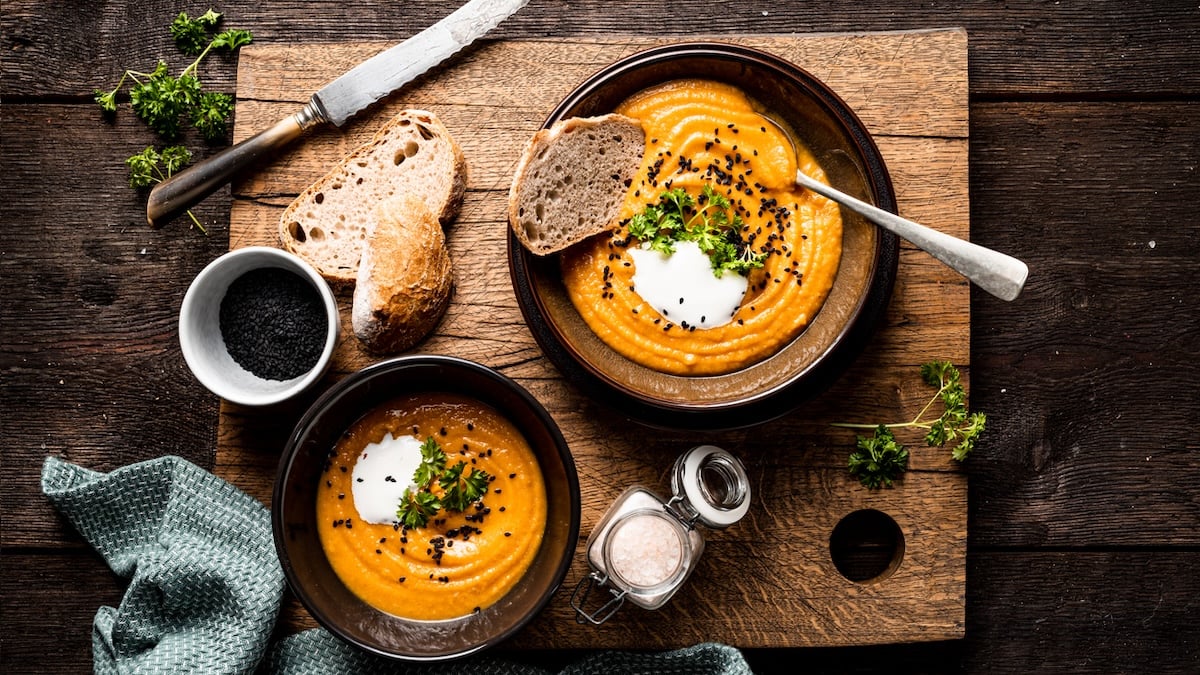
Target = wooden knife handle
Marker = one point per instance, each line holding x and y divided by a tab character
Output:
186	188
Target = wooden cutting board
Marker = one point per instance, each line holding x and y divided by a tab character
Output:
770	580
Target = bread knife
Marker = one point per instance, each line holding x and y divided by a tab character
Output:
335	103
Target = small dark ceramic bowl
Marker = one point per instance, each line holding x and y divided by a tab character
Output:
308	571
815	358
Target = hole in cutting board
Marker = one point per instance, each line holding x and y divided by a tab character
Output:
866	546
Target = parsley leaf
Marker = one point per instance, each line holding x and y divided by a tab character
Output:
211	114
456	487
143	168
433	461
416	508
149	166
191	35
462	490
955	425
232	39
175	158
162	101
879	459
108	99
168	103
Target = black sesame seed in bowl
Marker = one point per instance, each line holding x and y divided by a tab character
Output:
273	323
258	325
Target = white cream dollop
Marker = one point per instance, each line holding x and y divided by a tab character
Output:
683	288
383	472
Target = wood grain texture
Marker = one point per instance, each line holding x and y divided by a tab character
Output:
773	571
1109	327
1059	615
89	308
1117	49
1083	150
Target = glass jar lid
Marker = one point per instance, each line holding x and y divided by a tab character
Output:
710	486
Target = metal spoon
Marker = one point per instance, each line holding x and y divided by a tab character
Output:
1001	275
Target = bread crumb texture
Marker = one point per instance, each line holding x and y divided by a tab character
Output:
571	180
412	154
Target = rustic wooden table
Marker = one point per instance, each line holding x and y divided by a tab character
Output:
1084	137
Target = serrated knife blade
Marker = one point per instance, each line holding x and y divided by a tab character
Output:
335	103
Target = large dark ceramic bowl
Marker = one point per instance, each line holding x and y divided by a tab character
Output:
815	358
294	510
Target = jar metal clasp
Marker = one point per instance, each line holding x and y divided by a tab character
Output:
603	612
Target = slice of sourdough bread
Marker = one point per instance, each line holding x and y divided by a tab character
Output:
572	179
404	280
412	154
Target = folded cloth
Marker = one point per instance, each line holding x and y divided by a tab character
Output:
206	585
205	581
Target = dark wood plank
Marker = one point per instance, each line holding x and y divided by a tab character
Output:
90	367
50	600
1089	378
1083	612
1017	49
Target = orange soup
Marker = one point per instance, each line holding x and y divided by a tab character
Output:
459	561
703	135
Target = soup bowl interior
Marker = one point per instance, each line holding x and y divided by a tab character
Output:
306	567
807	365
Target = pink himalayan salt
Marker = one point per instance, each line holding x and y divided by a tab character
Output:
645	550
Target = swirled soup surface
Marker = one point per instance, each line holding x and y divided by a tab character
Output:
700	132
461	561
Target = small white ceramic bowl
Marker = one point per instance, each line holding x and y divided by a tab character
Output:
203	343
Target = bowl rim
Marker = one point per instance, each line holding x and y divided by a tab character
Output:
268	256
344	385
781	398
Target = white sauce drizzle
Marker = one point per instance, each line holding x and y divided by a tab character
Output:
383	472
683	288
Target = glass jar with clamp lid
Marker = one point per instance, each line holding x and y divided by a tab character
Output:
645	547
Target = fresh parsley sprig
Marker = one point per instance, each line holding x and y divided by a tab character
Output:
191	35
417	508
457	490
166	103
460	488
433	461
879	459
710	221
150	166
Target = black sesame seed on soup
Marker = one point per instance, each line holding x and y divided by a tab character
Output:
678	312
465	555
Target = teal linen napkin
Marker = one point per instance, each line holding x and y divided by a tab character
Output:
205	586
205	581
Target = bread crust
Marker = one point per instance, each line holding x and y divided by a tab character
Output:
405	279
571	180
412	153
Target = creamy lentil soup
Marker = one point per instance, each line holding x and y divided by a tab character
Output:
458	562
704	135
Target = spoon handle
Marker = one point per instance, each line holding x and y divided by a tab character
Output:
1001	275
